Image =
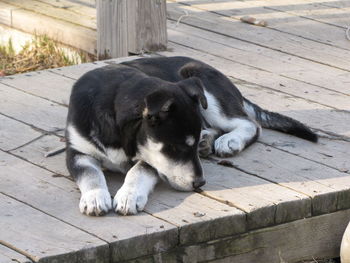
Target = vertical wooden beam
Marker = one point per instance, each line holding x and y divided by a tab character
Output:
147	29
130	26
112	35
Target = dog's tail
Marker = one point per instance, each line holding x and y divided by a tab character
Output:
278	122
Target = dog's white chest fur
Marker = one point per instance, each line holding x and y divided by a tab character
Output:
112	158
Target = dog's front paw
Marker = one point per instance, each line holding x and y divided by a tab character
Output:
95	202
226	145
205	143
128	201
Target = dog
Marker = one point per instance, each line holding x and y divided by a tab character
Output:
152	118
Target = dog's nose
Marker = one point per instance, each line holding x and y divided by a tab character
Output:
198	182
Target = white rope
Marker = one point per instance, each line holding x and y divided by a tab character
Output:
180	18
347	33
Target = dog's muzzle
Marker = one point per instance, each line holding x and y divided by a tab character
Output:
198	182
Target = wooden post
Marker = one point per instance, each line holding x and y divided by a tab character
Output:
130	26
111	28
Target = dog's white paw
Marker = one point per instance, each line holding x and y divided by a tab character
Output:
205	143
226	145
95	202
128	200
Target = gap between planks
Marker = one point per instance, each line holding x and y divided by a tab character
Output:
261	10
270	63
175	11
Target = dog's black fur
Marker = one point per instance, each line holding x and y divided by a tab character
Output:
152	115
231	100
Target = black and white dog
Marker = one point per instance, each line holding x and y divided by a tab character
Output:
150	118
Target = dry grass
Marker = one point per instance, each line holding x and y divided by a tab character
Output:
40	53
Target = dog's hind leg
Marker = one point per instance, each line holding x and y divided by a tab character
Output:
138	184
237	130
242	133
86	170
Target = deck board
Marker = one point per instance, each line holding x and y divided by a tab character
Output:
48	236
326	186
282	199
265	37
292	24
330	152
274	65
8	255
59	197
317	11
45	115
11	129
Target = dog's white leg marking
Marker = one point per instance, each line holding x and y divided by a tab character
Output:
95	198
243	131
133	195
240	131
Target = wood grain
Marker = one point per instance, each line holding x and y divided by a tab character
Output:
70	34
40	236
8	255
32	110
14	134
262	36
58	197
112	33
278	70
307	239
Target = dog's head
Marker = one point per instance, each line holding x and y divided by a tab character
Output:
171	127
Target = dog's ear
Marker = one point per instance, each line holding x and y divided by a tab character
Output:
194	88
189	70
158	105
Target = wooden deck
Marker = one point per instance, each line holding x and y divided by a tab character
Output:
281	200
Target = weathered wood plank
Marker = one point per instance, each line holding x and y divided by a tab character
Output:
35	153
282	21
318	11
130	26
147	29
42	237
44	84
80	7
45	9
268	38
59	197
62	31
175	207
32	110
337	4
77	71
8	255
198	217
315	115
330	152
328	188
307	239
112	33
266	203
295	73
13	134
